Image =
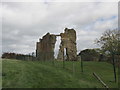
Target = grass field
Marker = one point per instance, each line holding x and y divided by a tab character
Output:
0	73
36	74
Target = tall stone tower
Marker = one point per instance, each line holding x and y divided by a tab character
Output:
68	45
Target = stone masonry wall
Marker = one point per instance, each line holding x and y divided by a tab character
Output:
45	47
68	44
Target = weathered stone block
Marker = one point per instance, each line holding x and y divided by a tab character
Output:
45	47
68	45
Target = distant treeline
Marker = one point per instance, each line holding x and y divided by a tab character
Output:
92	55
98	55
86	55
9	55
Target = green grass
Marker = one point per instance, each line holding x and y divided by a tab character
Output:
0	73
36	74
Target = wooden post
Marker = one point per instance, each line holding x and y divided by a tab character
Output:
114	67
29	56
32	55
100	80
24	57
63	63
73	69
81	64
63	59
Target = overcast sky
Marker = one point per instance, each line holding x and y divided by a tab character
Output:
23	23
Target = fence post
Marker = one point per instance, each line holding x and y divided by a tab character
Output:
114	68
73	69
32	55
81	64
100	80
63	60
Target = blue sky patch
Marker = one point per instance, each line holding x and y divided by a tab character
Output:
106	19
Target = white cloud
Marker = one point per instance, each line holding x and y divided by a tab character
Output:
25	22
61	0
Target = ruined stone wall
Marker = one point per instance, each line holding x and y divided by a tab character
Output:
68	44
45	47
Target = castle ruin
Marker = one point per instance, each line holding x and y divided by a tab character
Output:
45	46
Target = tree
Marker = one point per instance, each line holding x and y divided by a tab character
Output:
110	44
89	55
